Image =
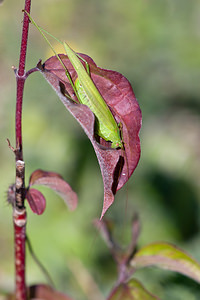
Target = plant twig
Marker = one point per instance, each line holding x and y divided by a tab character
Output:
19	219
40	265
19	211
20	77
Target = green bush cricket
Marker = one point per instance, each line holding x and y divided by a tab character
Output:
87	94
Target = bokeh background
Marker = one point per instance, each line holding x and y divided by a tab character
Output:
156	45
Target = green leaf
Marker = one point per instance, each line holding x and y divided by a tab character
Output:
167	256
133	290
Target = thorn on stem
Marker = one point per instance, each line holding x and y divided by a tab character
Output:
14	69
12	148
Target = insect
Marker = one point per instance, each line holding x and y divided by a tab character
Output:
86	92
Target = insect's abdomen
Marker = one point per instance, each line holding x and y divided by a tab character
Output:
106	126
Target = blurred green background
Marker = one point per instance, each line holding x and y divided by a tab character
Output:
156	45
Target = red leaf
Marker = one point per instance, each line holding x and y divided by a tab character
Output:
38	174
55	182
45	292
36	201
116	166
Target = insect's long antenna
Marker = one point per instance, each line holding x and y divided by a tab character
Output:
44	30
87	93
41	30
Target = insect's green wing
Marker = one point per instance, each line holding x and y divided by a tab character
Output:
109	131
107	127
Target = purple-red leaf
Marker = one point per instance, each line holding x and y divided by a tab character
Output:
45	292
116	165
55	182
36	201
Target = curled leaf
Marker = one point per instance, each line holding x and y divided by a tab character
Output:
167	256
132	290
117	165
55	182
36	201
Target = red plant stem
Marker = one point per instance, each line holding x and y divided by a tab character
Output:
20	76
19	211
19	218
